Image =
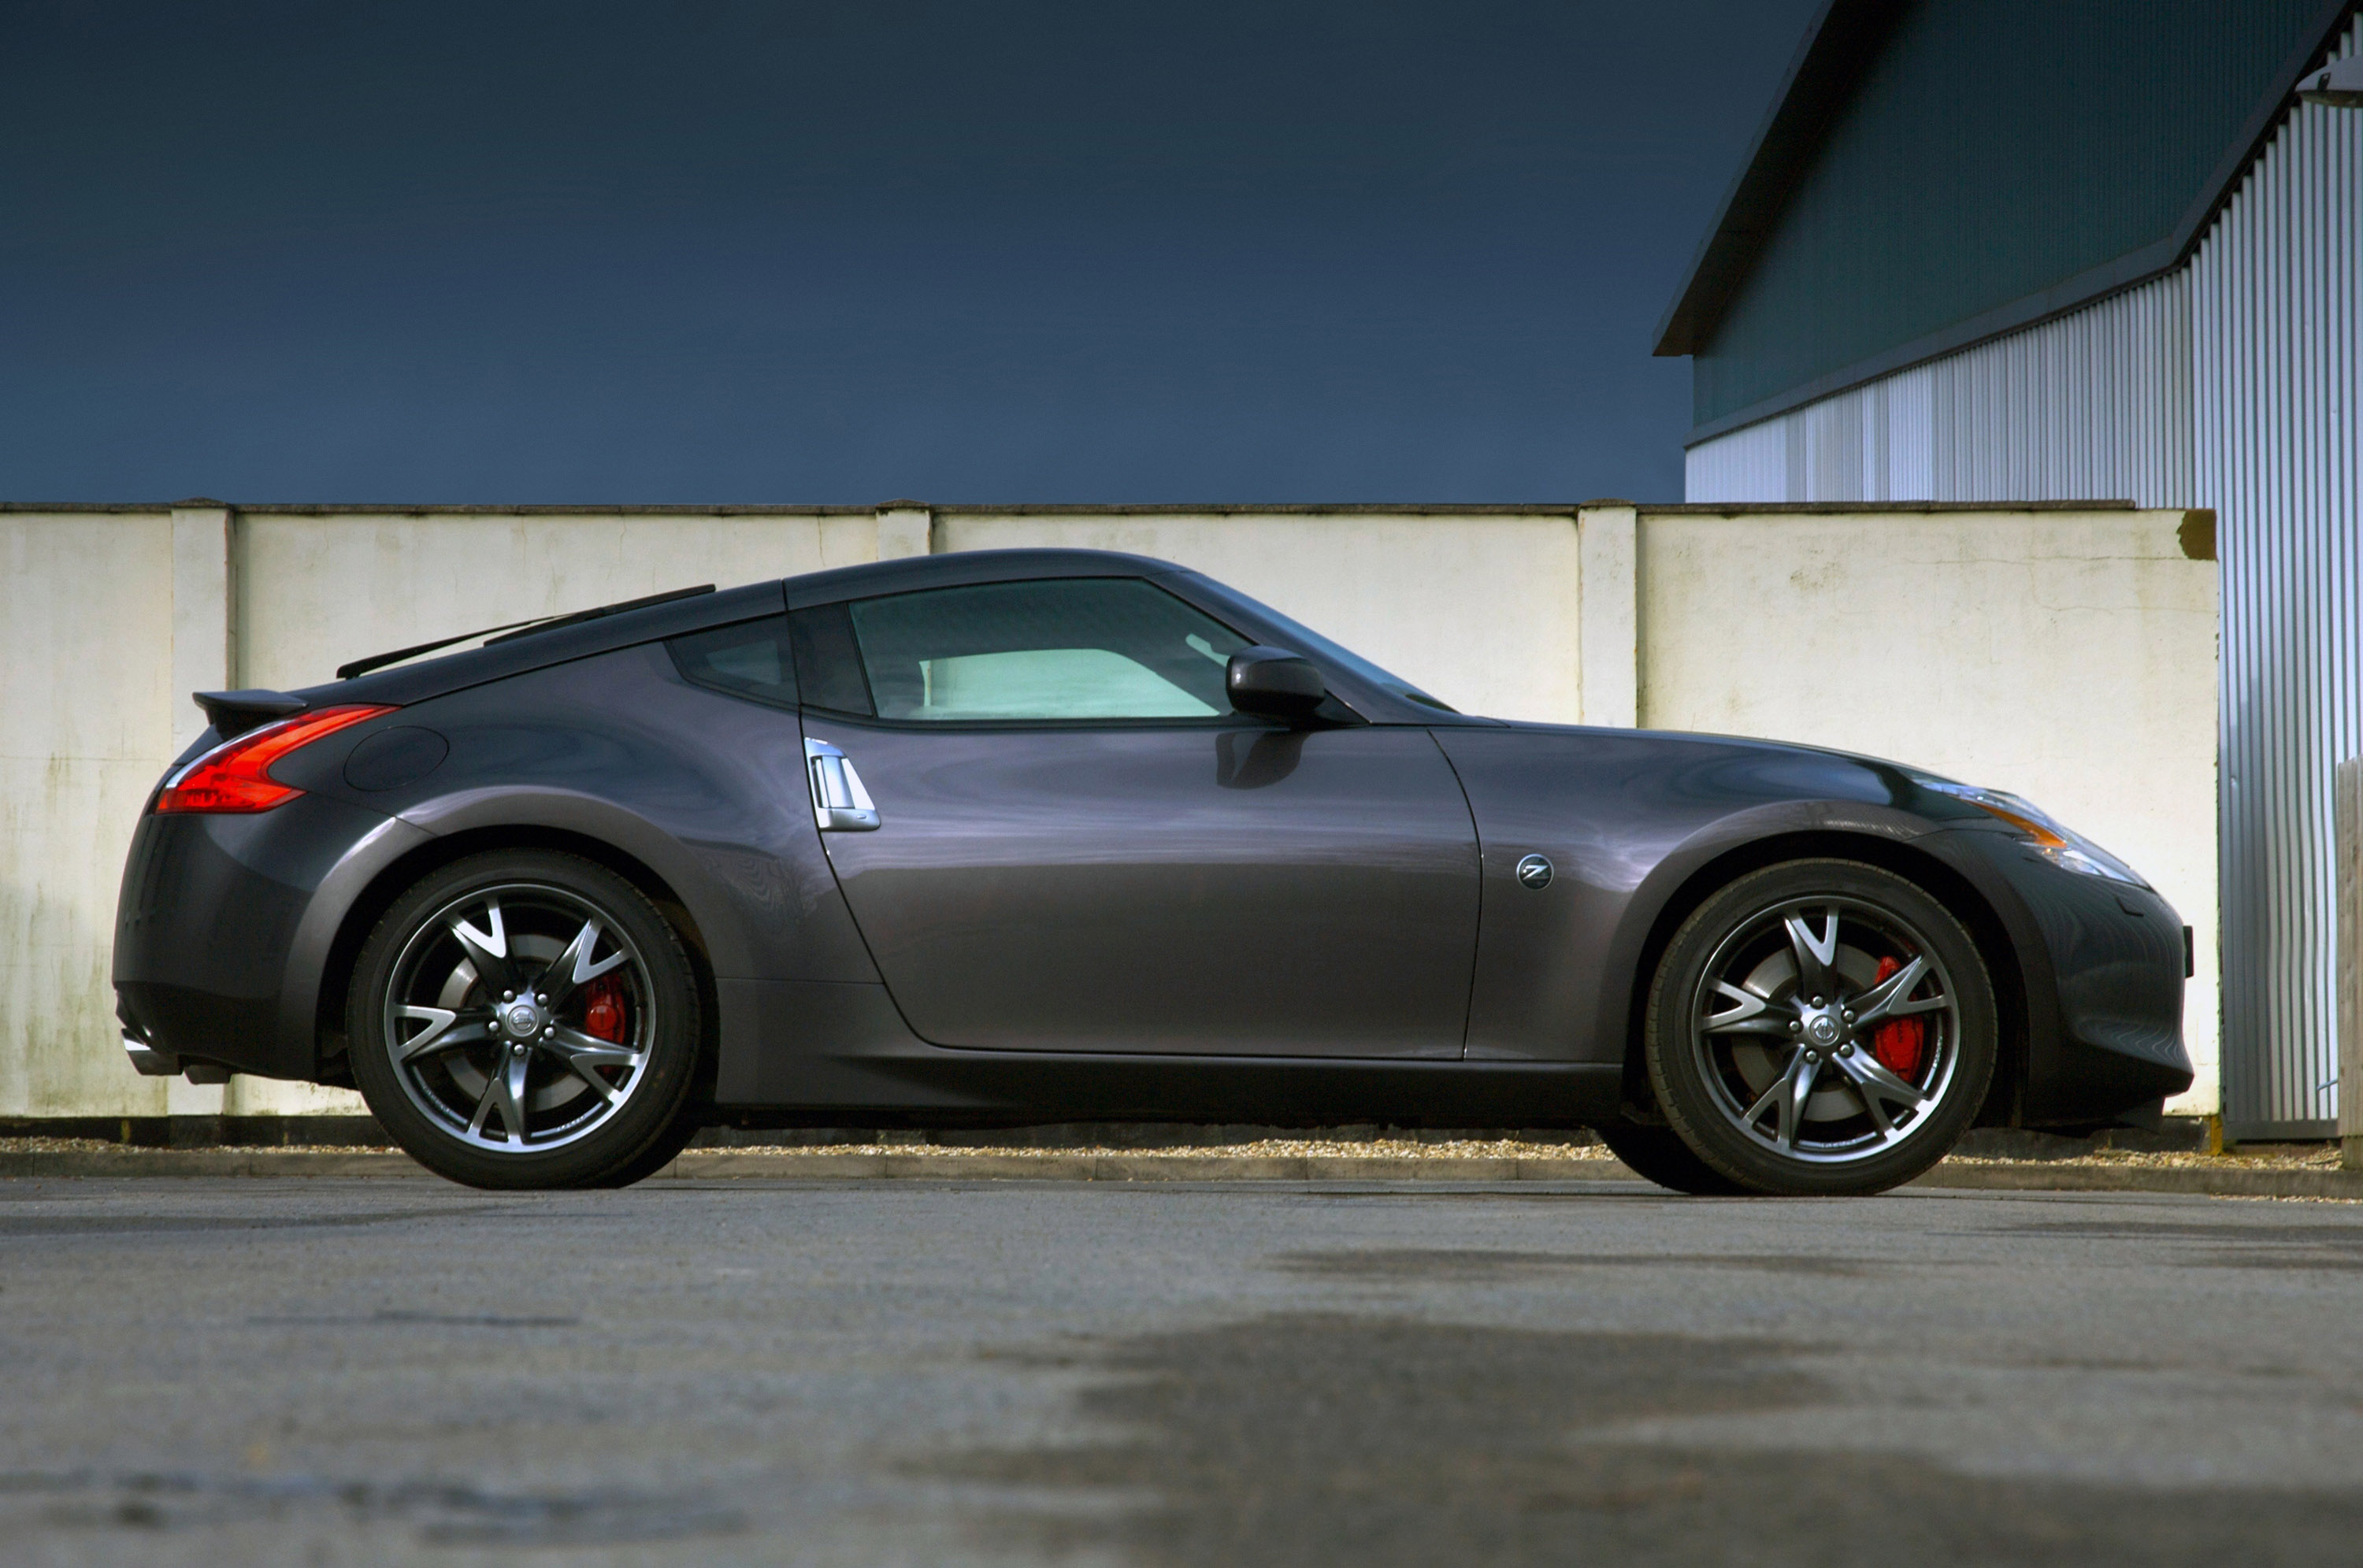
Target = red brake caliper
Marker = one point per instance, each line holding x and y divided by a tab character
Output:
1898	1042
603	1010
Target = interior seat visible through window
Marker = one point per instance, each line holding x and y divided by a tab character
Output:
1072	648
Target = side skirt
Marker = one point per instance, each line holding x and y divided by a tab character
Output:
817	1052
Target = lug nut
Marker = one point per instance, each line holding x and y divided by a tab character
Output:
509	996
1795	1027
1817	1002
545	1001
1846	1049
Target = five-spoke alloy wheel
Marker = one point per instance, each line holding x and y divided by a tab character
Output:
527	1018
1821	1026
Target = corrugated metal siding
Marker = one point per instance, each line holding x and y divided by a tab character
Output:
2237	383
2095	406
2277	301
1995	149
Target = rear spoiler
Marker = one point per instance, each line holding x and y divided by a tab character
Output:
235	712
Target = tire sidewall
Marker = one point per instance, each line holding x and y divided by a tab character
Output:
654	1110
1687	1100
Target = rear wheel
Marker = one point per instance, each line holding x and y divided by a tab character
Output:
1821	1027
527	1018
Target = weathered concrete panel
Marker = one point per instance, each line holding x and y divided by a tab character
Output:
316	589
2069	657
1478	609
2066	656
85	728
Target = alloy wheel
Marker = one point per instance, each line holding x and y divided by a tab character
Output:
519	1018
1825	1029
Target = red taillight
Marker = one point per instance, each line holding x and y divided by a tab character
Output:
236	775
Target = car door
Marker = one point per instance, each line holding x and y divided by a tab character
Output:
1077	846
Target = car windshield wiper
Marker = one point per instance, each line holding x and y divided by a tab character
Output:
516	629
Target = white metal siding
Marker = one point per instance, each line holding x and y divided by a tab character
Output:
2277	305
2233	383
2092	406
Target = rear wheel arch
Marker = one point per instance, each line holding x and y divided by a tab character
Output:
399	875
1947	886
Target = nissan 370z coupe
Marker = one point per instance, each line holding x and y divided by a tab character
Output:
1045	836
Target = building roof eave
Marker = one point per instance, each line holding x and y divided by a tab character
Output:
1838	45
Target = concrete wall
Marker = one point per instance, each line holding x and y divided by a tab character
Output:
2068	656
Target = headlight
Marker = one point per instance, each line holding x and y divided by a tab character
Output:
2061	845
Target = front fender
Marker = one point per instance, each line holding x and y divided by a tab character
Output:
1629	820
1689	870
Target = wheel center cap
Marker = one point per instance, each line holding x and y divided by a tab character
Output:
521	1020
1822	1028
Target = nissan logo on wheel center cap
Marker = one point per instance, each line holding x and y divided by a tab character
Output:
523	1019
1823	1029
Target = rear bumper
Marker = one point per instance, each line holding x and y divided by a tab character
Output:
217	961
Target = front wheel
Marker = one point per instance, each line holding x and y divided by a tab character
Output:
1821	1027
527	1018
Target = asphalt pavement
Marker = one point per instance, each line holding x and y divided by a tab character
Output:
942	1373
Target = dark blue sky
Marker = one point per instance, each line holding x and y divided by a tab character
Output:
837	252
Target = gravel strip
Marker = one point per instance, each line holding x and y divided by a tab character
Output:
2287	1156
2297	1171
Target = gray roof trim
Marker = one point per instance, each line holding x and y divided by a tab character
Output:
1820	508
940	509
2127	271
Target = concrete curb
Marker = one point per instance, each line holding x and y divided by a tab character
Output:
2250	1181
715	1165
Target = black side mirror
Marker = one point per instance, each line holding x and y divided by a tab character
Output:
1274	683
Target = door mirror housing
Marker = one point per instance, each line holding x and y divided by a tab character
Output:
1274	683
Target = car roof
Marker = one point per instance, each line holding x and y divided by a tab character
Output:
963	567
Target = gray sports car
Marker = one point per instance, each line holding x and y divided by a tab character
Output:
1049	835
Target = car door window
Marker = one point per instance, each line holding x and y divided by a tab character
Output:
1073	648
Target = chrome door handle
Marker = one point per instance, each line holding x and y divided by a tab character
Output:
839	802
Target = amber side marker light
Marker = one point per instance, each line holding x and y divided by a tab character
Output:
236	775
2027	826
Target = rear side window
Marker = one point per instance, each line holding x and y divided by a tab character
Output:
1061	649
752	660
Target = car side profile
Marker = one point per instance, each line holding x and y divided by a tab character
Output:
1026	836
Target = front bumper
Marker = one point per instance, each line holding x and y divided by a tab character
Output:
2103	964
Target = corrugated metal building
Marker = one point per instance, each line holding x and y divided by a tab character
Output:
2020	250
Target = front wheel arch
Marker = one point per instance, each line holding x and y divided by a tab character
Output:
1939	880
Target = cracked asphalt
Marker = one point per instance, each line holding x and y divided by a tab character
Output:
343	1372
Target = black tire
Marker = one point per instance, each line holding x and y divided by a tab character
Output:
1768	1042
1657	1155
581	1097
660	1153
